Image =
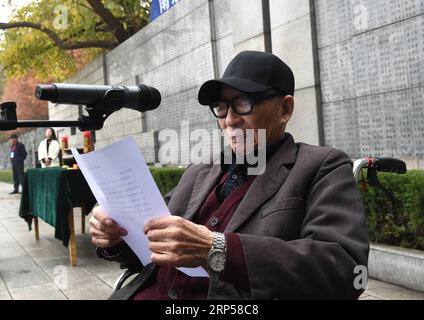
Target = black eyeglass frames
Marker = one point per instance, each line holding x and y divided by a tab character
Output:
241	105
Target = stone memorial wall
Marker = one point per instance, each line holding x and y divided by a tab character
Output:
371	60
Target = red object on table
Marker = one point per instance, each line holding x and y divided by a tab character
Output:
64	142
87	141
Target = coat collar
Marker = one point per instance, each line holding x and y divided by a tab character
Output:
266	185
206	180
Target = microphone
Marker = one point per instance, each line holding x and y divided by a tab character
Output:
141	98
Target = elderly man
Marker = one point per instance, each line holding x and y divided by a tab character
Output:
297	231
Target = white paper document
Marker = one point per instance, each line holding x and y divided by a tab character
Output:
124	187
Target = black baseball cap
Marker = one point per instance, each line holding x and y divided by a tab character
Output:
251	72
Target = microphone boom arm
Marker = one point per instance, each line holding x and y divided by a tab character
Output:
98	112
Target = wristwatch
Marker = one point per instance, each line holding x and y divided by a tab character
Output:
217	254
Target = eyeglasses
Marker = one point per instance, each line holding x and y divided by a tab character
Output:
242	105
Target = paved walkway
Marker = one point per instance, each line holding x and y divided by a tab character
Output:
31	269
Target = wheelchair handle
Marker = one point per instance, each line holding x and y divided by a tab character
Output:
384	164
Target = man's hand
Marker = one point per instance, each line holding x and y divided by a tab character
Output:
178	242
104	231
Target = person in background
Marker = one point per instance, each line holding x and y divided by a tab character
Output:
48	150
17	154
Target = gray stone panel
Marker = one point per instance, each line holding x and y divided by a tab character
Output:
247	20
375	69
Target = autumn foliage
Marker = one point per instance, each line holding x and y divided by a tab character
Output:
28	106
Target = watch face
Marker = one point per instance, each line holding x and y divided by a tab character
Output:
216	260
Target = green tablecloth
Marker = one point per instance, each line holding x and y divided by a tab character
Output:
49	193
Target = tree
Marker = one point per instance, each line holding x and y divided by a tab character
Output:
2	80
51	38
28	106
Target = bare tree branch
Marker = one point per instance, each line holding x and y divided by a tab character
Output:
57	40
114	23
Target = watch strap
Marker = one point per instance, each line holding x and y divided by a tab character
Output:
218	241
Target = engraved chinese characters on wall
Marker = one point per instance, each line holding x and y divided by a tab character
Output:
371	59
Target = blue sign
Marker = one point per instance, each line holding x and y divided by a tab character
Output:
158	7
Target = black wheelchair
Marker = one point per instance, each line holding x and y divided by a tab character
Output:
373	166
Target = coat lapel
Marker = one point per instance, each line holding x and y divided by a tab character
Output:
206	180
266	185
